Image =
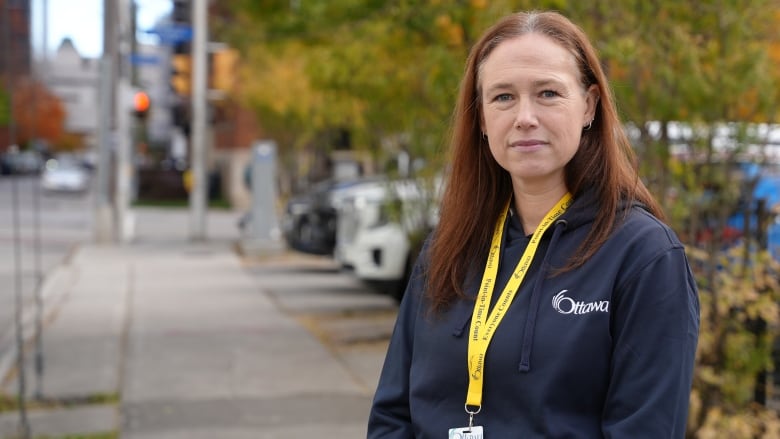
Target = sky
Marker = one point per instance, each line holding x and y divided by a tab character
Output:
82	21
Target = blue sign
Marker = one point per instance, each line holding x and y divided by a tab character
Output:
173	33
138	59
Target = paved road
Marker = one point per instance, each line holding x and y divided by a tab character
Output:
49	228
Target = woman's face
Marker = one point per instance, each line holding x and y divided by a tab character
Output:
534	109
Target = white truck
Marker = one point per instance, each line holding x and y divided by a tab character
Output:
381	226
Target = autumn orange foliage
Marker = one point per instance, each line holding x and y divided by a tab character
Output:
38	113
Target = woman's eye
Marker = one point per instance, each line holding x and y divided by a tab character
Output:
549	94
504	97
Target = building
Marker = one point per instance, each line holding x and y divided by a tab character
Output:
74	79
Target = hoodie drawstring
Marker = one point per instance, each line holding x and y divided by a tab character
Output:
533	308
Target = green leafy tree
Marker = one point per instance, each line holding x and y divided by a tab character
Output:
386	71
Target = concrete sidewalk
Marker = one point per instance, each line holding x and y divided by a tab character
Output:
162	339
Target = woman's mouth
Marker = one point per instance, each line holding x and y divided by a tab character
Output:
528	145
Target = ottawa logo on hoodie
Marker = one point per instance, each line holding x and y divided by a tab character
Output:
566	305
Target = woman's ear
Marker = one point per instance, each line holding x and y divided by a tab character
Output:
592	97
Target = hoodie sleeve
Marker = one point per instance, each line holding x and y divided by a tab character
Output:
390	413
655	330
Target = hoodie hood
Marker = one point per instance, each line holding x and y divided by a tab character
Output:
586	206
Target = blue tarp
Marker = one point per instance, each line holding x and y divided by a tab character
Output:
768	189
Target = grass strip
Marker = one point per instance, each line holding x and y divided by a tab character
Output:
106	435
11	403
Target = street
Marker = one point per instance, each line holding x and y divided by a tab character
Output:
64	220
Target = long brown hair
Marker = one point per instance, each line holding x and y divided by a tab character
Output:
478	188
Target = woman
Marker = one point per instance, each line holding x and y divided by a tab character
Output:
551	301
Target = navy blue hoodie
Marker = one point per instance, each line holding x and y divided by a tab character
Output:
602	351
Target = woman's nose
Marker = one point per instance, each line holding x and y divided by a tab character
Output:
526	114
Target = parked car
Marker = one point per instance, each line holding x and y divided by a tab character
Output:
20	163
63	175
309	222
381	226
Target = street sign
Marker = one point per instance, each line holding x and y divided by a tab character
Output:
173	33
138	59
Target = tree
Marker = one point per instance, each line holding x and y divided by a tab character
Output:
38	113
387	72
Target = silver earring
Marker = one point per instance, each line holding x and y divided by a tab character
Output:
587	127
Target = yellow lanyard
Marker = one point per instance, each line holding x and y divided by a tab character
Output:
482	328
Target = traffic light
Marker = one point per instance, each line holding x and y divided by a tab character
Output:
223	66
182	12
181	74
141	104
181	15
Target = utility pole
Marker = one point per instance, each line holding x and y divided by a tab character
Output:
38	74
104	231
8	52
124	164
199	119
45	44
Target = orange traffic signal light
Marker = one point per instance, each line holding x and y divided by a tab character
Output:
141	104
141	101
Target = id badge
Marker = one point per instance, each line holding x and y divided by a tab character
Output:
474	432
